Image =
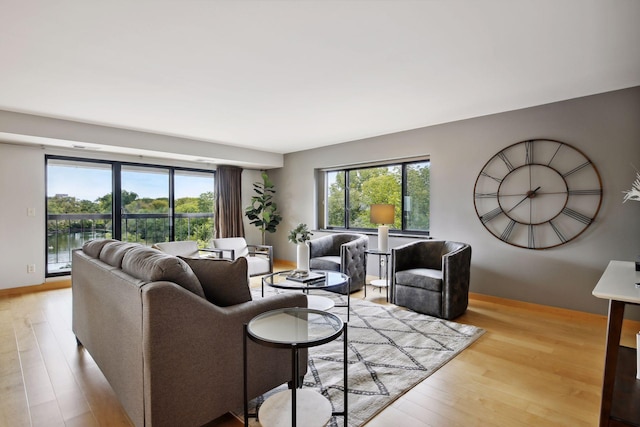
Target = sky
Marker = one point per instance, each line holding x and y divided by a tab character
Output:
91	183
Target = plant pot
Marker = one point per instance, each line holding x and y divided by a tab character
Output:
302	257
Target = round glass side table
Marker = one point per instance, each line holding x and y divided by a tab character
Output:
318	279
294	328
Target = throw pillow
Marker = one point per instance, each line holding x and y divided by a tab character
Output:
224	282
151	265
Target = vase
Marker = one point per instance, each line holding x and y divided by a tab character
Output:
302	258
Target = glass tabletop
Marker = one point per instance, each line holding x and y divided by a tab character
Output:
304	327
323	279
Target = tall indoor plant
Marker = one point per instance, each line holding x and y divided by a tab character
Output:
300	236
263	211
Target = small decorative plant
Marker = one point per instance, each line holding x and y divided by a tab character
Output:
634	193
300	234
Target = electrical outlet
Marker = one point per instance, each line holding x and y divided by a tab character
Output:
31	268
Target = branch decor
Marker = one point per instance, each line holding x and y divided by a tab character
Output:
634	193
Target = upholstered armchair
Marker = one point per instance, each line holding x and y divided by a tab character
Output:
431	277
185	248
341	252
259	257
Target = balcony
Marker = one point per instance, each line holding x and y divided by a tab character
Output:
66	232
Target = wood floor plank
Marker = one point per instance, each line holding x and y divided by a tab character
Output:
535	365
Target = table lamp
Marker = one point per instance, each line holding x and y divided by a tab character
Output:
382	215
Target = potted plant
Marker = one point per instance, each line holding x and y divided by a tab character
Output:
263	211
300	236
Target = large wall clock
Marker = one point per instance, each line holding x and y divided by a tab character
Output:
538	194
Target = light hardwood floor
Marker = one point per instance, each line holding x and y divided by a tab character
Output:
535	366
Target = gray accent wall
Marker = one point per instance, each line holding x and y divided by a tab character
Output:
606	127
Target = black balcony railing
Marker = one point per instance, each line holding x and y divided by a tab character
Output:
66	232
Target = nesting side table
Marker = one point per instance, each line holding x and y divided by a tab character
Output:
294	328
383	276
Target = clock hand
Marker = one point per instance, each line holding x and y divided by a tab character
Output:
530	194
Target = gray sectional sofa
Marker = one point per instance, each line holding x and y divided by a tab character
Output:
172	357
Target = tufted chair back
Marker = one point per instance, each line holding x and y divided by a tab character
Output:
344	252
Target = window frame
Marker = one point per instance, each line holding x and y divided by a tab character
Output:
116	188
323	195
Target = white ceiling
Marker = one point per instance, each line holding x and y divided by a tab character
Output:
284	76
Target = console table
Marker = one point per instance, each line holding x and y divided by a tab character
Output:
620	388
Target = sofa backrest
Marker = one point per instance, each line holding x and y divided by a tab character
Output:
93	247
113	252
143	263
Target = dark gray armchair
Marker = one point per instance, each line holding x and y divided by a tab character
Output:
341	252
432	277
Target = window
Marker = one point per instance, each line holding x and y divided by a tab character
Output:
194	207
79	208
145	204
88	199
349	193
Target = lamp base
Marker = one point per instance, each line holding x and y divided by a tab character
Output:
383	238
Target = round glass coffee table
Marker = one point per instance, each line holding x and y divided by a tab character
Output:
317	279
295	328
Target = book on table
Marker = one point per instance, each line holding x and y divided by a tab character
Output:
302	278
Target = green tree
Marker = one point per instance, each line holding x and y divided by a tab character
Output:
335	200
206	202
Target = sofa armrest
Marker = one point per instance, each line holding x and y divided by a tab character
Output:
220	253
404	257
353	260
263	250
456	272
193	354
320	246
456	268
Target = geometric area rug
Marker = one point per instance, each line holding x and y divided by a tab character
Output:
390	350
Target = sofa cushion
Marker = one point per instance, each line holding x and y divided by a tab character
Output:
224	282
423	278
93	247
113	252
153	266
325	263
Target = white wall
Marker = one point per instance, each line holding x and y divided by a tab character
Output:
605	127
22	237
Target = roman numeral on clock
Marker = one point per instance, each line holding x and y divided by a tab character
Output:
507	231
585	192
491	215
577	216
486	195
506	161
528	145
498	180
577	168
